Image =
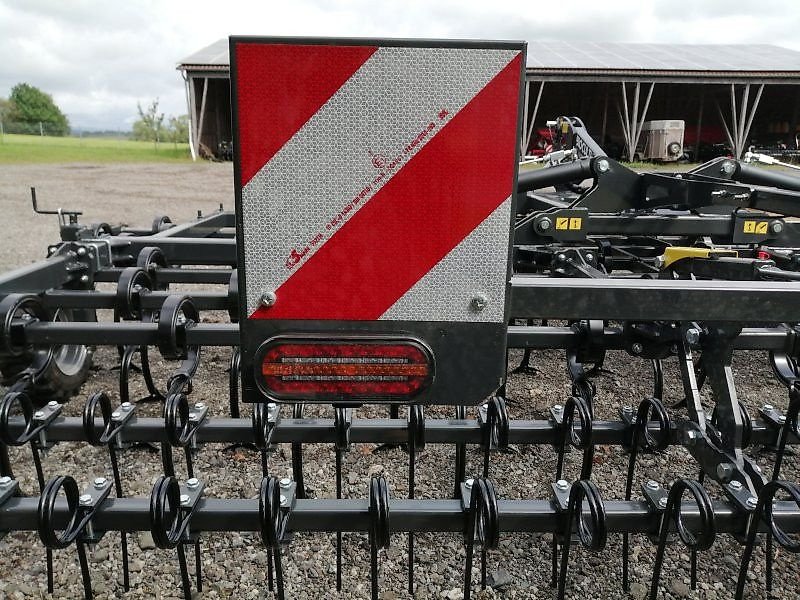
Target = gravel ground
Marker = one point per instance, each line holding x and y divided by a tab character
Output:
234	565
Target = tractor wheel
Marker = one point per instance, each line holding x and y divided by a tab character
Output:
64	373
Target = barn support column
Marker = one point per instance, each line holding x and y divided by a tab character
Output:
699	125
738	131
202	116
605	120
190	99
528	124
632	121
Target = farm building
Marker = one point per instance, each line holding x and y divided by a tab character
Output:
731	96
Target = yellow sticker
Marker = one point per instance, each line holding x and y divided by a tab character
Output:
562	223
761	227
575	222
749	226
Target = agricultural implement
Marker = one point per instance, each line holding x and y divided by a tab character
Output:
389	252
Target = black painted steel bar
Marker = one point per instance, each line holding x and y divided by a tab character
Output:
169	275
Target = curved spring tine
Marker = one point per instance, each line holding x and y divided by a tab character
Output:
495	431
592	535
658	378
700	540
180	429
341	425
105	437
379	533
416	442
272	526
580	438
641	437
790	426
461	456
263	429
482	525
233	382
764	510
297	455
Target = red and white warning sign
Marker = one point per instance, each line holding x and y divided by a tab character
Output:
375	182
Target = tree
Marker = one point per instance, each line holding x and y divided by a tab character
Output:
178	129
33	109
150	125
6	108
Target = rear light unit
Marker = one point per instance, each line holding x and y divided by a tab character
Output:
296	368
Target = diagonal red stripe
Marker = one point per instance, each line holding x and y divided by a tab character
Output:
280	87
444	192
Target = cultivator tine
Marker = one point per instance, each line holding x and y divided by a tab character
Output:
275	500
642	438
670	507
416	443
297	455
460	459
379	532
495	424
342	420
480	501
264	418
234	374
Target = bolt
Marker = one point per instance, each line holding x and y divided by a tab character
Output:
751	502
184	499
589	257
268	299
662	502
767	407
562	484
637	348
692	335
271	406
5	480
468	484
724	472
284	500
285	483
479	302
199	405
602	165
558	408
52	404
81	251
545	223
782	419
192	483
561	257
193	416
127	406
85	499
776	227
99	482
727	168
735	485
652	485
38	415
84	279
115	415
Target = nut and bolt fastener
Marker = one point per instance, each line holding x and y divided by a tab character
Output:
5	480
562	484
662	502
545	224
637	348
99	482
85	499
767	407
479	302
52	404
116	414
285	483
751	502
693	335
200	405
192	483
603	165
81	251
727	167
38	415
652	485
268	299
127	406
284	500
735	485
558	408
561	257
776	227
782	419
589	257
468	483
184	499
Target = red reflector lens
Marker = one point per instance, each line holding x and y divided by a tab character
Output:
293	369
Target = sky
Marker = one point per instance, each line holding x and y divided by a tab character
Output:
99	58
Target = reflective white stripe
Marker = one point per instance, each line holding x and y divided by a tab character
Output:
469	271
290	203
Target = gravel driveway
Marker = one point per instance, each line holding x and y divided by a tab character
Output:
234	565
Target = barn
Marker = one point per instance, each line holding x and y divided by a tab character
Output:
733	95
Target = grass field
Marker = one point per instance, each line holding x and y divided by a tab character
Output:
21	149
